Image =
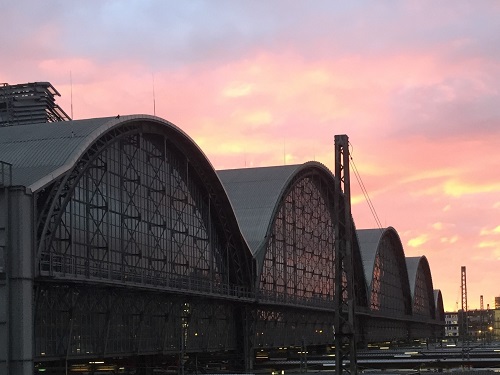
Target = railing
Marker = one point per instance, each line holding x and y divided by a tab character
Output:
5	174
321	301
79	268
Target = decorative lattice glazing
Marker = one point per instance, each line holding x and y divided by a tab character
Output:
138	214
386	287
298	266
421	297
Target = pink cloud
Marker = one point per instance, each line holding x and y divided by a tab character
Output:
419	103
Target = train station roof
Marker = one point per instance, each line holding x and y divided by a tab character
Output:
256	194
41	151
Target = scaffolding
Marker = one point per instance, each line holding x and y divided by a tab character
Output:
29	103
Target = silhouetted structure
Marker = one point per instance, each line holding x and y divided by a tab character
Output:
29	103
121	242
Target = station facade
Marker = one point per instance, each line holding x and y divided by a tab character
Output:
119	241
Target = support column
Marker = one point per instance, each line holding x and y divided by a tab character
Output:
4	286
17	288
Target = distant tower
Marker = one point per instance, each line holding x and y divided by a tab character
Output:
463	288
481	303
464	321
497	303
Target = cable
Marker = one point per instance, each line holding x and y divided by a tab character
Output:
364	190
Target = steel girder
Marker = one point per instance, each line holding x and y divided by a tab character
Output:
345	294
80	321
284	327
298	264
135	210
423	295
390	292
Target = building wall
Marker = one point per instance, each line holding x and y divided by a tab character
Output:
496	324
451	324
16	284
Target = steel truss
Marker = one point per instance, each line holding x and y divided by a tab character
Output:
345	295
285	327
81	321
388	294
134	210
423	296
298	265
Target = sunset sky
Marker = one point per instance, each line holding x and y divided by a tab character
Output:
414	84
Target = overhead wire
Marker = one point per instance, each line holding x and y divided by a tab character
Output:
364	190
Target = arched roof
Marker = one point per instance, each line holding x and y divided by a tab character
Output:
413	264
255	194
41	153
369	243
438	302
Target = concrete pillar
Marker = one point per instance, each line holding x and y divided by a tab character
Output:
16	290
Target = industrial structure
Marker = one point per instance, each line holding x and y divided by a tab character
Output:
29	103
121	245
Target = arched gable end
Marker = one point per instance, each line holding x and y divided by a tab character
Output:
389	288
438	302
142	204
298	257
420	280
299	251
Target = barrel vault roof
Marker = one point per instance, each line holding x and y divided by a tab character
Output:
255	194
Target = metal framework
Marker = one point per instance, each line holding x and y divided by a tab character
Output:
297	268
387	294
75	321
292	327
345	299
423	296
465	318
137	252
134	212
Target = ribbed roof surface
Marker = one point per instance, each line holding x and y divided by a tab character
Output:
254	193
39	150
369	240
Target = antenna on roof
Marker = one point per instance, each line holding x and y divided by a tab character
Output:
154	98
284	151
71	95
